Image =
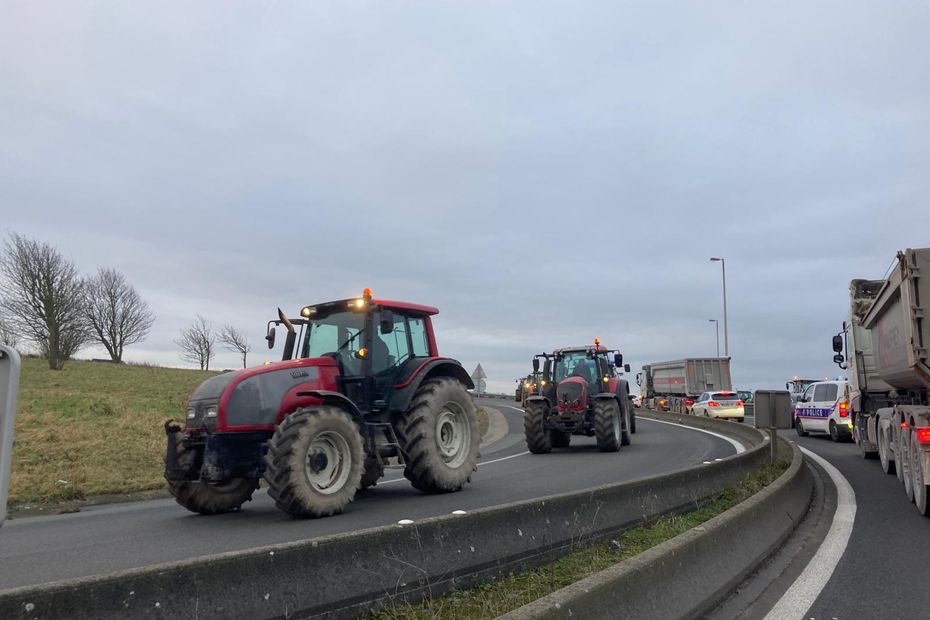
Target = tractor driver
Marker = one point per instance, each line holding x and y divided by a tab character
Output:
583	369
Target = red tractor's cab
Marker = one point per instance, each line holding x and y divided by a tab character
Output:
579	379
356	371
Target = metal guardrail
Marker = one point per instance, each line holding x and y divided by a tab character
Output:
9	389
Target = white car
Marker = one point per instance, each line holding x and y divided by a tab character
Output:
726	405
824	408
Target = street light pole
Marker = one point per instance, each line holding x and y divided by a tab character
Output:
717	326
726	335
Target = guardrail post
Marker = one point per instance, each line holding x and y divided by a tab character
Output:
9	389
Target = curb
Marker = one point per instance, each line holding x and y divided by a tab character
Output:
685	577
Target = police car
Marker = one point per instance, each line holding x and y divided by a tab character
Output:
824	408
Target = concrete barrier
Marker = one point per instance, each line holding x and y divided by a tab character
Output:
342	575
687	576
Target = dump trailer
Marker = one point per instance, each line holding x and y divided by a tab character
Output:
674	386
885	341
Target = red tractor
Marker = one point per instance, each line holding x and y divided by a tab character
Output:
589	398
360	383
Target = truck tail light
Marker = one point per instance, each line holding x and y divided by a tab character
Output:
713	403
923	435
844	409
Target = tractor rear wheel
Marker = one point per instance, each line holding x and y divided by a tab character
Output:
626	430
607	425
538	439
314	463
439	435
209	498
560	439
374	470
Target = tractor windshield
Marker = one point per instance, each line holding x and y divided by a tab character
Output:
575	363
338	333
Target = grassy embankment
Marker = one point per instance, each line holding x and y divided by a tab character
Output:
96	429
495	598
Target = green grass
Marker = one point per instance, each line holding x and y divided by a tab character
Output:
482	421
492	599
93	428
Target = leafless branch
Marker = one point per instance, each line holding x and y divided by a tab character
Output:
43	298
235	341
197	343
117	315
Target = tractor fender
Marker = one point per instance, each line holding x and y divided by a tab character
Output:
336	399
430	368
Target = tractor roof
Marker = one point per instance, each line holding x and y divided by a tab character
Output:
588	347
407	307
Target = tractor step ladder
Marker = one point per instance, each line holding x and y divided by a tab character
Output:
388	430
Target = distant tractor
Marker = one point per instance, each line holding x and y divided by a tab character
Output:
527	386
586	396
362	382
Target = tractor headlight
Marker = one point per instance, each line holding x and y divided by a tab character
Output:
211	412
191	413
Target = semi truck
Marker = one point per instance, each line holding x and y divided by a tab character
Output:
883	346
675	385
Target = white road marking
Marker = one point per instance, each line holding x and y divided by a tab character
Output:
740	448
480	463
807	587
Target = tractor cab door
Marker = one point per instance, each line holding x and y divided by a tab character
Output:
393	355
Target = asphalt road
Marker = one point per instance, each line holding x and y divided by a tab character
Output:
882	571
104	539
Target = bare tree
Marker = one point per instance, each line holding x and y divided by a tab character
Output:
235	341
197	343
117	315
7	336
43	298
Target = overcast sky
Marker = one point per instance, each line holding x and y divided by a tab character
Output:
544	173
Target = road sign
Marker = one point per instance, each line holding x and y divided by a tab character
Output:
9	388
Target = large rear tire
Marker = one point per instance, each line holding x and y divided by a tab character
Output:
625	432
439	434
607	425
374	470
538	440
884	452
560	439
919	477
315	462
209	498
904	462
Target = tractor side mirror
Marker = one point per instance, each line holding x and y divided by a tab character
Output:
618	361
270	336
838	344
535	364
639	378
626	368
386	324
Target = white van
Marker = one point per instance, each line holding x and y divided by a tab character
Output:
824	408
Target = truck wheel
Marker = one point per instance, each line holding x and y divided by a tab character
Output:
919	479
560	439
884	452
799	428
633	421
538	440
314	462
607	425
904	442
209	498
895	442
374	470
439	434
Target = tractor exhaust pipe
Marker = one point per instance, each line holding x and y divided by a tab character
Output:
291	337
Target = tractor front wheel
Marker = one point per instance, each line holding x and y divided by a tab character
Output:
209	498
538	439
315	462
439	435
560	439
374	470
607	425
